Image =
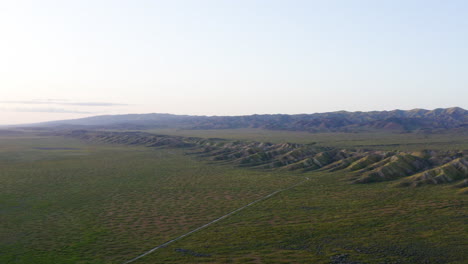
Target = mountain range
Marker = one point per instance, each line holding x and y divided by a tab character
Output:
341	121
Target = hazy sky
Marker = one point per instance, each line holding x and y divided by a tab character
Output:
68	59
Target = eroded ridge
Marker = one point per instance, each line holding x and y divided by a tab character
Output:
364	166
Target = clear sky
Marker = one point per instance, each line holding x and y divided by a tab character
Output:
68	59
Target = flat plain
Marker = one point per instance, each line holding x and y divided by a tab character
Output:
68	201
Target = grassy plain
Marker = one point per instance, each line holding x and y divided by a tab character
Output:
327	218
65	201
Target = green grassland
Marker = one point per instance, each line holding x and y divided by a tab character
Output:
66	201
69	202
326	218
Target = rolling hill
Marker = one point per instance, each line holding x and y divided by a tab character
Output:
363	166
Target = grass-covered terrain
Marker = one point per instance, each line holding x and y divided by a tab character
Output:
67	201
326	220
63	201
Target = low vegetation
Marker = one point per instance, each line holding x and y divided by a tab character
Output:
68	201
107	197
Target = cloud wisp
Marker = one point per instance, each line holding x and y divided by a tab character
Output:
62	102
45	110
47	106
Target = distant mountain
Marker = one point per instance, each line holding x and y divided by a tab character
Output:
341	121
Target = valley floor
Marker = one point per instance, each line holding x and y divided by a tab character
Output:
66	201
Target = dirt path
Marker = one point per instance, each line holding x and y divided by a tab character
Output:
214	221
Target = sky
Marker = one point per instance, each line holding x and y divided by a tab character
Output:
71	59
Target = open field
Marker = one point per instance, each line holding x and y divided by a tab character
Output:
369	140
76	203
326	218
66	201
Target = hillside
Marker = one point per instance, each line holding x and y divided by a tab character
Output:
397	120
362	166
